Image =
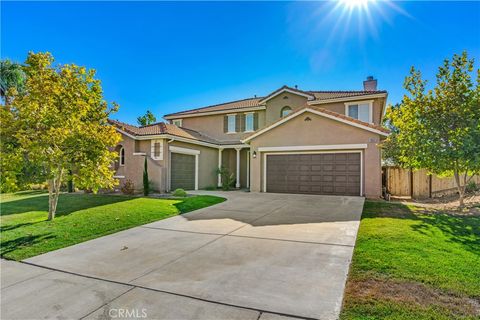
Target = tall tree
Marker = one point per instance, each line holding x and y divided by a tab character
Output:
439	129
146	119
146	182
61	125
12	79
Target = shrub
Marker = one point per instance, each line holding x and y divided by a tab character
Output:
146	183
471	187
128	187
179	193
228	179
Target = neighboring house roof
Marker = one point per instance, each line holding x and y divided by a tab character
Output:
314	97
162	128
325	113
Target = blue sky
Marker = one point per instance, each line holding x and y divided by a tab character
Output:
171	56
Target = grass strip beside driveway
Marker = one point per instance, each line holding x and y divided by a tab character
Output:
410	263
25	231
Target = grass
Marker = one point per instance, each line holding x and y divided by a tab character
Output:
412	264
25	231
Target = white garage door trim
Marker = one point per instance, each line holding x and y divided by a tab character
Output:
193	152
265	154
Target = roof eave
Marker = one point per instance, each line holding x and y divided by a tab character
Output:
352	98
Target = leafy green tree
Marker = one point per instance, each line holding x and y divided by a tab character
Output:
146	119
12	79
60	122
439	129
146	182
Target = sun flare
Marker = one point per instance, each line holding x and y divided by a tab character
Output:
353	4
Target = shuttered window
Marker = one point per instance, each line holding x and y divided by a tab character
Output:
157	149
231	123
249	122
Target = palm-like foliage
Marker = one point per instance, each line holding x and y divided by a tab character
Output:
11	76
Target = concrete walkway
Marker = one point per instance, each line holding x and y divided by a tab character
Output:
253	256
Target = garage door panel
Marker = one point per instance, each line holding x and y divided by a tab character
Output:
318	173
182	171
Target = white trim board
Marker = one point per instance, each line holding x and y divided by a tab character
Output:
295	114
315	147
184	150
264	175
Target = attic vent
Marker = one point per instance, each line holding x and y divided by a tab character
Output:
285	97
307	119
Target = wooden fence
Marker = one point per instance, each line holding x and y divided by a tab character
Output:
418	184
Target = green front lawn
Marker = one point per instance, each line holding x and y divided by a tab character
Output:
412	264
25	232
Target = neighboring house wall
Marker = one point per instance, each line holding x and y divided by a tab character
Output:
320	131
275	105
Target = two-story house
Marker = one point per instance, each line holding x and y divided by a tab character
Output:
290	141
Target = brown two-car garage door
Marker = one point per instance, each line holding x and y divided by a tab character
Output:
314	173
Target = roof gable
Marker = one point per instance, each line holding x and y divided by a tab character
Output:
283	89
324	113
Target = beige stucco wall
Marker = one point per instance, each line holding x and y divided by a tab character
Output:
212	126
320	131
275	105
133	168
207	163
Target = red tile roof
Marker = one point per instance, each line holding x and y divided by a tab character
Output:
256	102
238	104
163	128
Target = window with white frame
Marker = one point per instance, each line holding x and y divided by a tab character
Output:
249	122
122	156
157	149
177	122
359	110
231	123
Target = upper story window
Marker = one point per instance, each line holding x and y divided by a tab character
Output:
359	110
157	149
231	123
177	122
249	122
122	156
285	111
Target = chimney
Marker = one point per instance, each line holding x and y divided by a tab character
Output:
370	84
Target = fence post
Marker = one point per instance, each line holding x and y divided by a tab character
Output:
411	184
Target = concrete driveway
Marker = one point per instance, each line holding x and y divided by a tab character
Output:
255	255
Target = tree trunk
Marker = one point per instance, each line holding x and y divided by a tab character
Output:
460	188
53	193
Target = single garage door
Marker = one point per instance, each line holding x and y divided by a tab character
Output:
319	173
182	171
